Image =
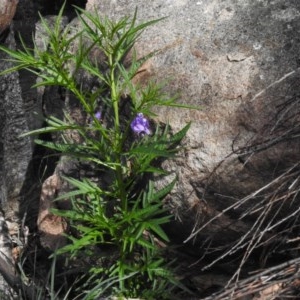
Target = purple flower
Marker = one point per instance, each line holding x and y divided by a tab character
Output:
140	125
98	115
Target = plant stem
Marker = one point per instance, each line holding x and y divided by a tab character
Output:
118	139
114	96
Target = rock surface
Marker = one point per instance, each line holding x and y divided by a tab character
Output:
7	12
15	152
238	61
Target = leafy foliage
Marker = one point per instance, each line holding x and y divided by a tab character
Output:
127	214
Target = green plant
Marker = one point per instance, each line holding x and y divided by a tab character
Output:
125	214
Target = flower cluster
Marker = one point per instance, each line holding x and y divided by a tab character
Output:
140	125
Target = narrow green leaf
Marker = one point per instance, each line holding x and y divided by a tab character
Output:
146	244
160	194
159	231
178	136
151	150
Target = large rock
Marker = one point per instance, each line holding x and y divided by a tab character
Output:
15	151
238	61
7	12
